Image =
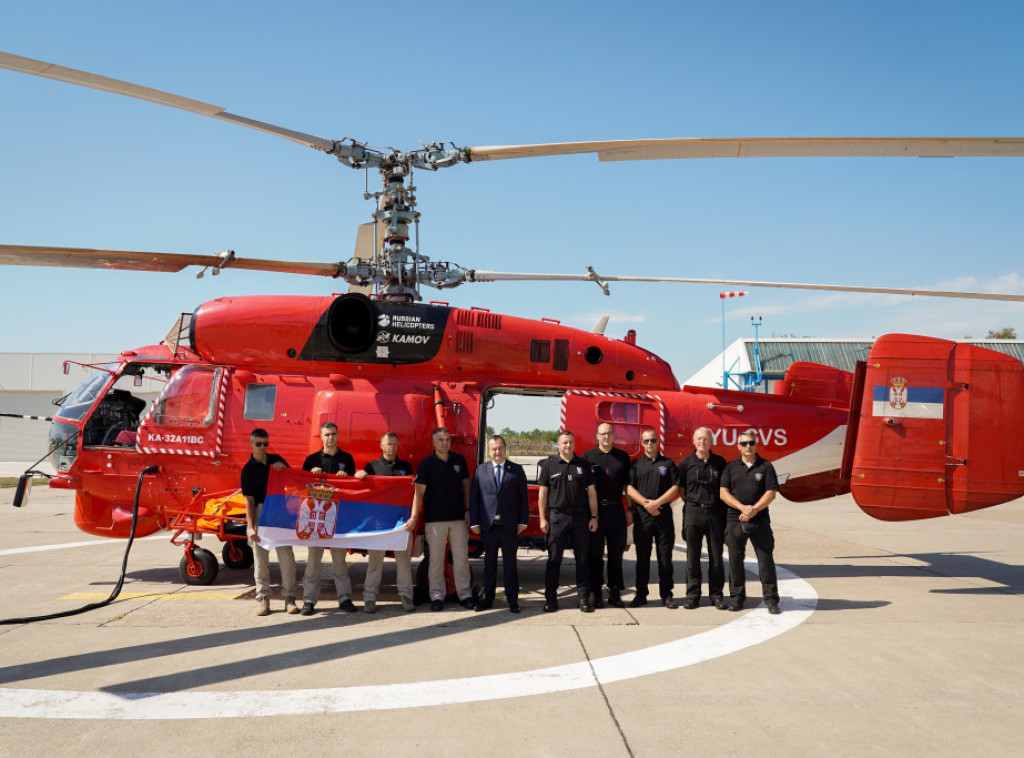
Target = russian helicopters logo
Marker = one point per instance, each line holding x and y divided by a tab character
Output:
318	513
383	321
898	392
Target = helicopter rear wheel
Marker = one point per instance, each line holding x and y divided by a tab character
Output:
237	554
202	570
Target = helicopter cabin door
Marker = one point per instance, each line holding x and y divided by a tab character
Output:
584	410
188	417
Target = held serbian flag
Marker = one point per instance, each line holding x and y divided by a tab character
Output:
329	511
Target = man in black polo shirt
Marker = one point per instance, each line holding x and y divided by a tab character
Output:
610	468
700	475
653	485
389	464
749	485
330	460
254	489
567	503
442	494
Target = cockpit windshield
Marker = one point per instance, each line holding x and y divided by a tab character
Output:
80	400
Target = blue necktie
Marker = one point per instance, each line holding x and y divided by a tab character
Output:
497	476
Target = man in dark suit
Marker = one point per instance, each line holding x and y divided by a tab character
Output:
498	512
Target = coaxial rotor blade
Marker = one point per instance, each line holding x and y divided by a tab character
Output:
106	84
497	276
131	260
764	147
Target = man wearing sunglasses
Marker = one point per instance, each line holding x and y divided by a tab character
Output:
653	485
254	488
749	485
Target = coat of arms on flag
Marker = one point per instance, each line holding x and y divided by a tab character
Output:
328	511
318	512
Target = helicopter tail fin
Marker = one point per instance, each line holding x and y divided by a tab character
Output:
930	429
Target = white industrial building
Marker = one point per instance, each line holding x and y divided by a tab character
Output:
777	354
29	383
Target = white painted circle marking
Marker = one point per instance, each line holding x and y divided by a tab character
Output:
752	628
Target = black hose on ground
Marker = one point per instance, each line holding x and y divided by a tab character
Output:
124	565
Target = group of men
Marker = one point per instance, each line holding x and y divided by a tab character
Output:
329	460
725	504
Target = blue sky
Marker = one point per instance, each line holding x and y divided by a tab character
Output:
82	168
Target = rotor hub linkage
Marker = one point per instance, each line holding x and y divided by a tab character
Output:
397	270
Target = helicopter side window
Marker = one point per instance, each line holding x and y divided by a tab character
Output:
189	398
259	402
561	360
540	351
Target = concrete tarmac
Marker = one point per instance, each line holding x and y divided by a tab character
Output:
896	639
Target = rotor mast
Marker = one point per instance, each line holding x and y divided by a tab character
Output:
398	270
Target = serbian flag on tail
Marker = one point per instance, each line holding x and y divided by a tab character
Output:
328	511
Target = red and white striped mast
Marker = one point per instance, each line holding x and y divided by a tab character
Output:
725	296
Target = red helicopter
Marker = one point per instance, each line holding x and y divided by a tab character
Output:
911	433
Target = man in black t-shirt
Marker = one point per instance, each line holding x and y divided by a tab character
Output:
749	485
329	460
567	504
389	464
253	481
653	485
442	495
610	468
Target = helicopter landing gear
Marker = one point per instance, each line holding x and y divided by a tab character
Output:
198	566
237	554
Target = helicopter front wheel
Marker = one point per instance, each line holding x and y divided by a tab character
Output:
201	570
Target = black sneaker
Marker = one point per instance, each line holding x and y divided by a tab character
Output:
347	605
437	605
308	609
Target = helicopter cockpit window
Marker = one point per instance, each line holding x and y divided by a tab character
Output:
78	403
259	402
189	398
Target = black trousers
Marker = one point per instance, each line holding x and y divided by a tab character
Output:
494	537
661	531
699	524
611	530
560	526
764	543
